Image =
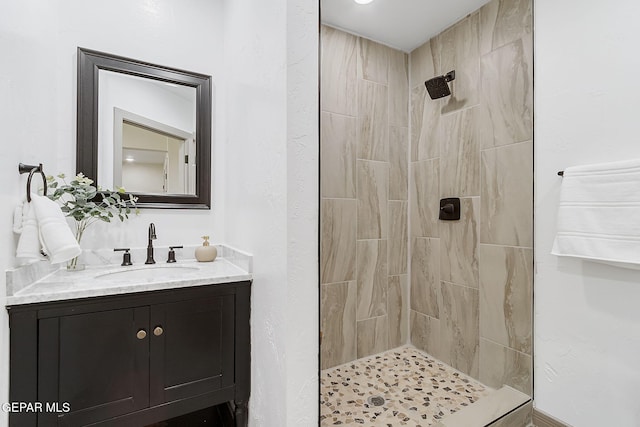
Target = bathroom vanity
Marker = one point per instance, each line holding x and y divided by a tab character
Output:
130	347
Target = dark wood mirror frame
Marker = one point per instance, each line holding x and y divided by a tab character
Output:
90	62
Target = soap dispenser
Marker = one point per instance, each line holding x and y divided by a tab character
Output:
206	253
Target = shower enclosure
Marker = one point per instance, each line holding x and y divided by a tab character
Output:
399	287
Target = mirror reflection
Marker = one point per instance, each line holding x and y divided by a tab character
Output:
146	134
157	117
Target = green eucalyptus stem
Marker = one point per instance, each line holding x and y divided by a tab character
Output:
87	204
72	265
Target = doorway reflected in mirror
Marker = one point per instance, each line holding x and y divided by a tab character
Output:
152	157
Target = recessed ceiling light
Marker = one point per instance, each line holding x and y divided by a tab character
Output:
363	1
129	159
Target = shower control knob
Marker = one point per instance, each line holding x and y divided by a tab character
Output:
448	208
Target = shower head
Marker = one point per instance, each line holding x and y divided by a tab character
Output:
438	87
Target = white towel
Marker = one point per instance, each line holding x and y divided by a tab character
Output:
18	214
599	213
57	239
24	223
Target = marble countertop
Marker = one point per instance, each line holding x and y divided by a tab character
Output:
105	280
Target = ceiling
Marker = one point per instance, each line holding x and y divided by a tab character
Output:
401	24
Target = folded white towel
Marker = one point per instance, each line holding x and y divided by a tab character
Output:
599	213
18	215
57	239
24	222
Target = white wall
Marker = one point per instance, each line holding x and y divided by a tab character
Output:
40	44
587	315
303	209
38	41
272	197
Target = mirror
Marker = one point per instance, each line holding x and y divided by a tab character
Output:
146	128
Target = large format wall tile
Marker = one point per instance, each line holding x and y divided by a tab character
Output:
338	323
507	95
399	164
459	51
337	240
339	74
459	328
501	365
373	129
398	237
398	88
425	276
373	195
504	21
425	203
364	161
425	63
338	155
507	195
425	333
397	306
475	144
425	119
373	336
505	296
491	51
372	278
459	242
460	154
373	61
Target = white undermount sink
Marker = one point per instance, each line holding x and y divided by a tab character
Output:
146	273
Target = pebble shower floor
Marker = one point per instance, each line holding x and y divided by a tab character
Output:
417	389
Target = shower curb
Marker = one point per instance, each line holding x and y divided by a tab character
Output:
487	410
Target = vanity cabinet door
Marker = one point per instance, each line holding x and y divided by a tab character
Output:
97	362
192	347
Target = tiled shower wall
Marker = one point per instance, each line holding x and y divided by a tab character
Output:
364	189
471	280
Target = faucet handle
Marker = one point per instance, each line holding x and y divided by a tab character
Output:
126	257
172	253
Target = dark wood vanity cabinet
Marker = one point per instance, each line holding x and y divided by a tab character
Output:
131	360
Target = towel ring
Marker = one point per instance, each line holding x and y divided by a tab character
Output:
22	168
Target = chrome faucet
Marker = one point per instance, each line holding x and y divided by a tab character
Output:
152	237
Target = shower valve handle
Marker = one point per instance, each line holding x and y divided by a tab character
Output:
448	208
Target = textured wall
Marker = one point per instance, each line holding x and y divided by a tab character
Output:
471	280
303	178
364	142
587	321
272	197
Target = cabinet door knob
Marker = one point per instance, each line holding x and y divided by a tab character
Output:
158	331
141	334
